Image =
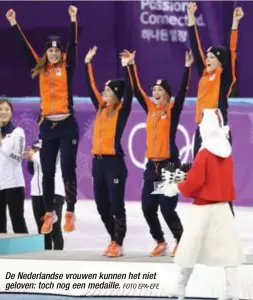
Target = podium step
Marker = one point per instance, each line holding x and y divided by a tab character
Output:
21	243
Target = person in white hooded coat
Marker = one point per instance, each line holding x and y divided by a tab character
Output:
212	238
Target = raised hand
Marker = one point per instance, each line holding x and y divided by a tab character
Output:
188	58
127	57
72	11
91	53
238	14
192	7
11	17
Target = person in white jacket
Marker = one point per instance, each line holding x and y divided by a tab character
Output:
12	194
53	240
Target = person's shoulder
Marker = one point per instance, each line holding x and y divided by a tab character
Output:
19	131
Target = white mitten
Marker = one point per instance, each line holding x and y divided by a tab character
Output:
168	176
171	190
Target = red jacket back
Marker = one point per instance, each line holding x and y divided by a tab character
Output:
211	179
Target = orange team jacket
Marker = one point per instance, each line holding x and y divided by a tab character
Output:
214	88
210	180
162	121
109	127
56	84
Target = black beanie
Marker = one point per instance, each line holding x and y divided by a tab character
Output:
53	41
219	52
118	87
165	85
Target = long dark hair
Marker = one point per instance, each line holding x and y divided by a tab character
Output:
5	100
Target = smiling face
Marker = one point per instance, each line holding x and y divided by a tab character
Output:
53	55
108	95
160	95
5	113
212	62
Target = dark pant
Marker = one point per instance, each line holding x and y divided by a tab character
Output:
197	145
150	203
14	199
63	136
109	179
53	240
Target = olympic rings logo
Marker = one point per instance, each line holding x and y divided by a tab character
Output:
186	152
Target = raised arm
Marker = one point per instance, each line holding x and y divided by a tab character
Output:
197	51
181	94
30	54
180	97
14	151
128	93
95	96
141	96
139	93
72	43
230	65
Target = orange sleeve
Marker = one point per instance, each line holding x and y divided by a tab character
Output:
196	48
96	97
233	48
26	43
141	96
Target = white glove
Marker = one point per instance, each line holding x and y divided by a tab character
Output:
168	176
180	175
171	190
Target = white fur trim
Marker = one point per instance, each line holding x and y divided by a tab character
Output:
212	239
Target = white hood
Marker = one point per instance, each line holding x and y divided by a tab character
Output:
214	134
